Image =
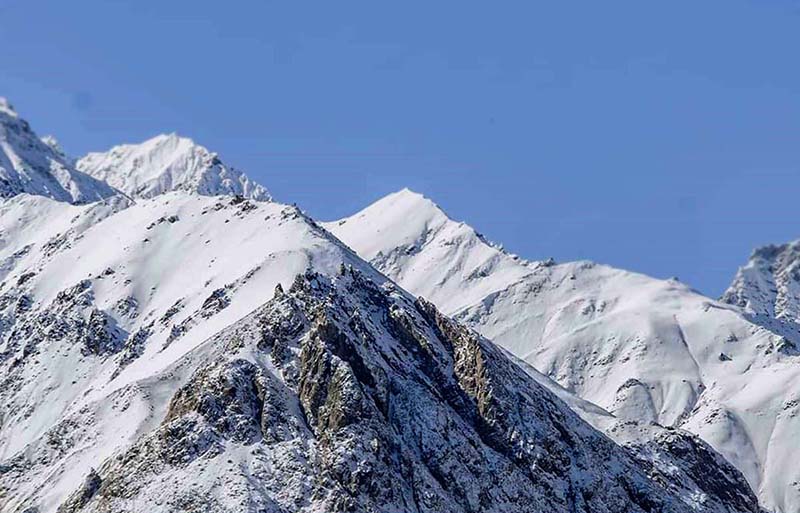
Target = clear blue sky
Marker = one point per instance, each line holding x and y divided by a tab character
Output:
660	137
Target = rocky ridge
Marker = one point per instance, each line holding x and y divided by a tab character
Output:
340	395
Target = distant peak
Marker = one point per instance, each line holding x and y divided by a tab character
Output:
765	285
165	143
169	162
171	136
405	198
172	139
771	251
6	107
405	191
54	145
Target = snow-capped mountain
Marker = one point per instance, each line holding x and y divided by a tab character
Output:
182	346
31	165
769	284
169	163
641	348
146	366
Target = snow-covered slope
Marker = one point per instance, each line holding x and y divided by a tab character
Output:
411	240
31	165
139	371
168	163
641	348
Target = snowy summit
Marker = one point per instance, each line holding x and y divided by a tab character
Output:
169	163
31	165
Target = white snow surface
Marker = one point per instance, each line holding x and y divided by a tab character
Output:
166	163
641	348
31	165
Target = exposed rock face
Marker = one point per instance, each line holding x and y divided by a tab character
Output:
672	456
83	495
72	318
340	395
227	396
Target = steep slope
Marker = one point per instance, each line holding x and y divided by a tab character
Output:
31	165
169	163
643	349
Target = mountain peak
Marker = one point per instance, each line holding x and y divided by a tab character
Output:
31	165
406	192
169	162
54	145
171	139
6	107
768	283
407	206
412	240
772	251
401	218
406	198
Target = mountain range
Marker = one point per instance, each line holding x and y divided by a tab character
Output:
173	339
641	348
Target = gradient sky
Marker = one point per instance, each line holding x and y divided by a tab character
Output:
659	137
